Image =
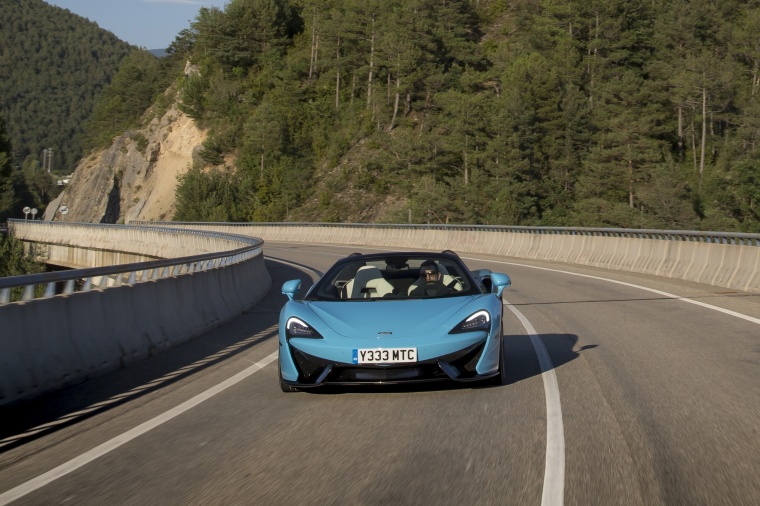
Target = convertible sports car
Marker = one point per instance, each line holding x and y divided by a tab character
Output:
392	318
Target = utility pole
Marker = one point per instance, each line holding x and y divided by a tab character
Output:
47	159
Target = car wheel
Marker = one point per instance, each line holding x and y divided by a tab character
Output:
284	386
502	367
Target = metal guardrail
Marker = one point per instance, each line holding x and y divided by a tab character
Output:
33	286
736	238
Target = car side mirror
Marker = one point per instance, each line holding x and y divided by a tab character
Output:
499	281
290	288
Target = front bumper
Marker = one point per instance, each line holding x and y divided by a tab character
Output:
457	366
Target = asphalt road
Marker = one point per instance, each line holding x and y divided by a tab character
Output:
652	390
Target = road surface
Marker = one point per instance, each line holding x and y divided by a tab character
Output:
648	393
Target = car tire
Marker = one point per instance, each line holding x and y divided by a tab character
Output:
502	368
284	386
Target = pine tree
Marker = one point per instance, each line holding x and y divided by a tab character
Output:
7	193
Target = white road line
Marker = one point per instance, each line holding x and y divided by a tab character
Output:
652	290
554	469
554	472
316	274
138	389
108	446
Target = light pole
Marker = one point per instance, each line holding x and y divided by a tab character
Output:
47	159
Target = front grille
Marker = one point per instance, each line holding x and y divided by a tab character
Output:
378	374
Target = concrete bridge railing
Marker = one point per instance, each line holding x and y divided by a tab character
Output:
65	331
76	324
724	259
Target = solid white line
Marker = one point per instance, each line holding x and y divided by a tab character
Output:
652	290
317	274
554	469
99	451
554	472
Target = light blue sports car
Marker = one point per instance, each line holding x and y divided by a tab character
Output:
393	318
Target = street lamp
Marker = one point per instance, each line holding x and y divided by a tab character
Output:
47	159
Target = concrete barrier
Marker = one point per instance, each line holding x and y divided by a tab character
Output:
50	342
87	245
720	259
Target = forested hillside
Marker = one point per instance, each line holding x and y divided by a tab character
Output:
626	113
614	113
53	65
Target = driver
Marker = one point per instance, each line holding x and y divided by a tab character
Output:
433	281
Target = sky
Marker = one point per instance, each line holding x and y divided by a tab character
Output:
152	24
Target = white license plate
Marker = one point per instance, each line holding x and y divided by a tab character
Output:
385	355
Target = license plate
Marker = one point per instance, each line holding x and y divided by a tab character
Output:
385	355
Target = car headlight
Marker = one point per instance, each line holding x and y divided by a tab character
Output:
295	327
480	320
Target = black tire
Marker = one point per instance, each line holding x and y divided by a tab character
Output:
501	379
502	368
284	386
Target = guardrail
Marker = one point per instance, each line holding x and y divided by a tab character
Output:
46	285
734	238
141	308
63	331
724	259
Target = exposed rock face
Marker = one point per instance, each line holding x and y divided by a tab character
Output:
135	178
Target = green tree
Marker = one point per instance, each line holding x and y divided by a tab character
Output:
207	196
133	89
245	34
7	193
14	261
53	66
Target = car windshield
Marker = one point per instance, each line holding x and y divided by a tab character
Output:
394	277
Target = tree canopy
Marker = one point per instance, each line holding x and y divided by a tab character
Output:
620	113
614	113
53	66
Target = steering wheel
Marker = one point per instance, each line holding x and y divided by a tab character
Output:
435	288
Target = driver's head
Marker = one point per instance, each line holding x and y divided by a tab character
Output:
429	271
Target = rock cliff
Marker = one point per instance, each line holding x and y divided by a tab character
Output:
135	178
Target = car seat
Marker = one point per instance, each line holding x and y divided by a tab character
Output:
368	283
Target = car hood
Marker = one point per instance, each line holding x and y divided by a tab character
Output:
401	318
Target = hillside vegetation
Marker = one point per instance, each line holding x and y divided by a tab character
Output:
614	113
53	66
624	113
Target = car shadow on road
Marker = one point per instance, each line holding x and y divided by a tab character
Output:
521	356
25	421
